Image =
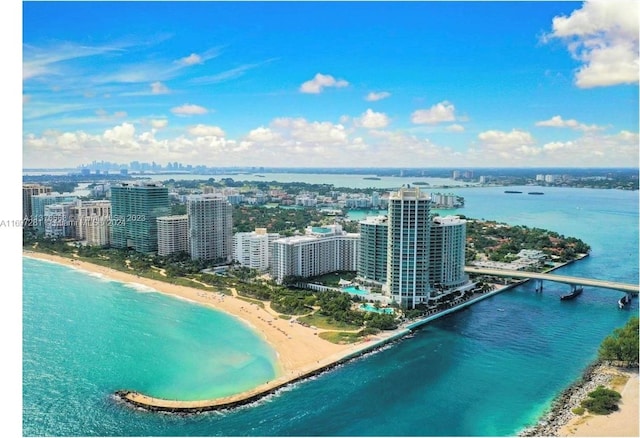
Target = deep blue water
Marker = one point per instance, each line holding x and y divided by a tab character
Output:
489	370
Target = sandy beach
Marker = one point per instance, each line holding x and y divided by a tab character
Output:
623	422
299	349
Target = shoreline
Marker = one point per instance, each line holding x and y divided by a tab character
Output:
560	421
300	352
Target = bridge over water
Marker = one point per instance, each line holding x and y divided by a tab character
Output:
573	281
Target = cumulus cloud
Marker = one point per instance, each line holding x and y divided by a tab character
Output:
500	138
375	96
559	122
319	82
188	110
619	149
159	123
201	130
440	112
190	60
159	88
603	35
372	120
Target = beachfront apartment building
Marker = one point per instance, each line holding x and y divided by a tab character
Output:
59	221
251	249
29	190
372	259
408	247
38	204
321	250
92	221
134	210
448	238
210	222
173	234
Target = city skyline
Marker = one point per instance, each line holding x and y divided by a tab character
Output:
308	84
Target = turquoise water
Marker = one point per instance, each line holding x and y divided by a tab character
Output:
369	308
478	372
354	290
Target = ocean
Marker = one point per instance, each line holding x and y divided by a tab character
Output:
489	370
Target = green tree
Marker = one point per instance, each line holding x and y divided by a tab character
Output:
622	345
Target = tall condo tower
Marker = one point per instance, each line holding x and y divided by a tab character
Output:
134	210
372	260
447	253
408	247
210	219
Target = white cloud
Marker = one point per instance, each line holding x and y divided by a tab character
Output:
454	128
375	96
372	120
159	123
505	139
159	88
201	130
319	82
190	60
188	110
262	134
603	35
559	122
440	112
595	150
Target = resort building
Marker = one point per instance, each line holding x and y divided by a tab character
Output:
372	260
29	190
173	234
447	253
93	222
210	223
252	249
134	210
38	204
321	250
408	247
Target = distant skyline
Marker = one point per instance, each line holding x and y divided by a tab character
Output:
331	84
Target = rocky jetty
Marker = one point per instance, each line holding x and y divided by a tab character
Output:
560	412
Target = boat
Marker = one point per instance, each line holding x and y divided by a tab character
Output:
536	193
622	302
512	191
372	178
574	293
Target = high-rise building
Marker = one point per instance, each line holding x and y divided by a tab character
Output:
38	204
29	190
173	234
93	222
210	220
134	210
447	253
408	247
58	220
321	250
372	261
252	249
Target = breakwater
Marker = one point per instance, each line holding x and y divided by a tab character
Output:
139	400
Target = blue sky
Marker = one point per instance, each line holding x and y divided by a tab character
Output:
343	84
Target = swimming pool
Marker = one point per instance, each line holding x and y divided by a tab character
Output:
354	290
371	308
